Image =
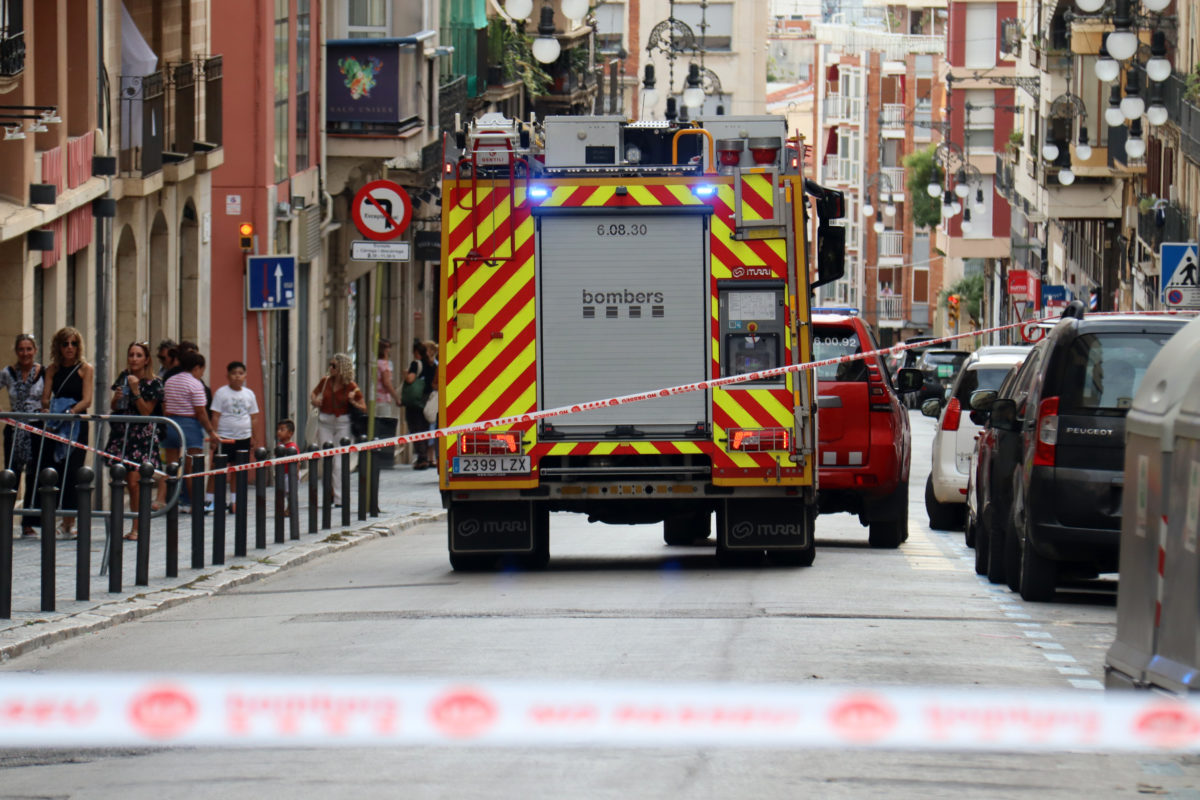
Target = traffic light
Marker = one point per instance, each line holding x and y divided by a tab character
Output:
246	236
952	310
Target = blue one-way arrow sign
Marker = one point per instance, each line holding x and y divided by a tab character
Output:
270	283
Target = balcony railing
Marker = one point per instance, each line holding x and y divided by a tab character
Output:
375	87
894	46
840	170
1184	113
1168	224
891	306
143	101
839	107
210	69
920	314
891	244
892	115
896	176
181	136
12	53
452	99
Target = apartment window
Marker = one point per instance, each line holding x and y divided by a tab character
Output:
282	118
980	120
718	35
981	35
303	80
610	25
367	19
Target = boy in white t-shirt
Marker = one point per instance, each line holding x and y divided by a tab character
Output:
234	412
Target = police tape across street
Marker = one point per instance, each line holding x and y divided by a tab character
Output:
46	710
533	416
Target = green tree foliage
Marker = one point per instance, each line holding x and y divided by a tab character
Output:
919	167
970	297
513	52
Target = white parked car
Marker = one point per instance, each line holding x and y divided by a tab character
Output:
946	487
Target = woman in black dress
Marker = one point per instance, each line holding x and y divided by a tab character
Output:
70	381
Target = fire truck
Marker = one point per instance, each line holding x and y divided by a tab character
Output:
591	258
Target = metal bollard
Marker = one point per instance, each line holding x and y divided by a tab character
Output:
241	500
8	501
314	472
376	466
172	523
197	514
365	457
293	491
48	488
116	521
260	500
327	488
218	535
83	541
280	495
345	458
145	501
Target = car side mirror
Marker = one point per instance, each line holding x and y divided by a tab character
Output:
982	399
931	407
1004	415
831	253
909	380
980	418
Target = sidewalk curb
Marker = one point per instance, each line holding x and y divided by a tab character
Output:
208	583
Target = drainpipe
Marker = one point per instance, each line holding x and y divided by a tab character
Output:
103	231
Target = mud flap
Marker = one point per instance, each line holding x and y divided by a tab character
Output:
765	525
499	527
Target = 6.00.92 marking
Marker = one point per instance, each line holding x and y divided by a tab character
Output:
621	229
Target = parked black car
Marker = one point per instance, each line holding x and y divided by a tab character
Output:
1060	447
939	369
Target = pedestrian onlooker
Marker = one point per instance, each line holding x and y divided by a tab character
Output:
184	402
234	413
24	381
137	390
285	437
333	397
68	388
387	399
420	376
168	357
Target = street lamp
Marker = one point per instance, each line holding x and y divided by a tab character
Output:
1107	68
889	210
947	204
1112	114
546	47
1049	148
519	9
934	187
1082	148
649	93
966	221
1135	145
574	9
693	95
961	187
1122	42
1158	69
1089	6
1132	106
980	204
868	210
878	226
1156	112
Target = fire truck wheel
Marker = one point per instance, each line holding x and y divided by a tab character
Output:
687	528
793	558
461	562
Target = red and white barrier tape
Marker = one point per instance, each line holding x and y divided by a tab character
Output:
48	710
533	416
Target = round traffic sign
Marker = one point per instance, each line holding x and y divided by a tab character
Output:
1031	331
381	210
1174	297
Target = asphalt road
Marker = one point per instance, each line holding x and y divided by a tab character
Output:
618	604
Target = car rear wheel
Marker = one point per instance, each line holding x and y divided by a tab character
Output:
981	551
1038	575
968	528
994	549
942	516
888	533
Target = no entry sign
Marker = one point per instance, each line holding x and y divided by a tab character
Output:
381	210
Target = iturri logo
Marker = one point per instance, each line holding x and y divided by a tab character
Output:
468	527
752	272
742	530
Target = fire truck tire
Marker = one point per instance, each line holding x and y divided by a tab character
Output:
461	562
687	528
793	558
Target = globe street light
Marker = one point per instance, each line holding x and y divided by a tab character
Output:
649	93
1122	42
1050	148
966	221
546	47
693	95
1107	68
574	9
1135	145
1082	149
1158	69
519	9
868	210
1156	112
1132	106
1089	6
1112	114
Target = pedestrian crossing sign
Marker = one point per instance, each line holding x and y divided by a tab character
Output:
1180	275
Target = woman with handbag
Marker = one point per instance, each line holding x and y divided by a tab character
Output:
417	383
69	384
334	397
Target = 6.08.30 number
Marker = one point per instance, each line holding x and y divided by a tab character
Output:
621	229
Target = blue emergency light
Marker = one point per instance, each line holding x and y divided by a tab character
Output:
538	192
704	189
848	310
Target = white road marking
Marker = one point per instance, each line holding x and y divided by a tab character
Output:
1089	684
1063	657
